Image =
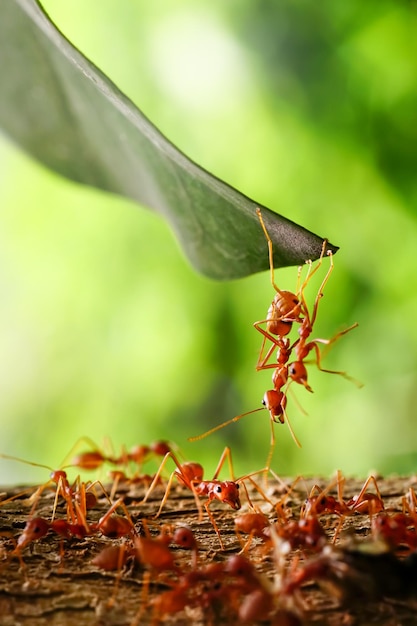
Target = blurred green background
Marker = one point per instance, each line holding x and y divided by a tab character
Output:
105	331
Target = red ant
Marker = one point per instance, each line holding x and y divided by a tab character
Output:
364	503
305	533
280	314
112	557
110	525
285	308
78	492
399	529
155	554
217	586
396	530
358	572
275	402
152	552
191	476
94	459
254	524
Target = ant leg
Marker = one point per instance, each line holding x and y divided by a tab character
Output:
122	554
154	483
368	481
320	291
310	274
340	487
227	453
296	400
338	529
310	319
146	581
90	490
256	487
271	450
231	421
313	346
68	462
179	473
293	435
409	503
330	342
270	250
280	343
371	504
213	522
263	359
166	494
60	490
17	495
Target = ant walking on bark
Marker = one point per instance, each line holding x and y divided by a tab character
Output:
191	475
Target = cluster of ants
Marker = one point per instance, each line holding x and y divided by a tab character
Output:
278	545
268	554
286	309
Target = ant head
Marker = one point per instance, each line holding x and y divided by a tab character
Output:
227	491
36	528
161	448
58	476
274	401
298	372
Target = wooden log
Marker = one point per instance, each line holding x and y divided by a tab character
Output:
53	581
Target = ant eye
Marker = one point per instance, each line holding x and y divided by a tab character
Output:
218	489
237	486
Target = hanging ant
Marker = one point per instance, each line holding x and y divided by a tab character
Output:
275	402
281	317
286	309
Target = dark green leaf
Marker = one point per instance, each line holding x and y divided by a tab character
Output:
67	114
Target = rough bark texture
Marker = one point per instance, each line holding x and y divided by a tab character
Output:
54	582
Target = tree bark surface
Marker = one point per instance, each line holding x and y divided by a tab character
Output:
53	582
